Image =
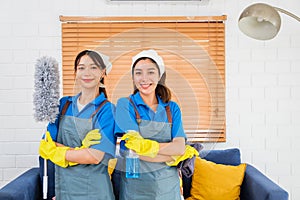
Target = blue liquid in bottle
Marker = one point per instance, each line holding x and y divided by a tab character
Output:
132	165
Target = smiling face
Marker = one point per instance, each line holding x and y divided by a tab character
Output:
88	74
145	76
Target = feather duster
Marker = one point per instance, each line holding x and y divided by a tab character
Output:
46	85
46	98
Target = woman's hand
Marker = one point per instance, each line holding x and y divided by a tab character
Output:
144	147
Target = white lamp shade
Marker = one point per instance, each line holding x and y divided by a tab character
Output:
260	21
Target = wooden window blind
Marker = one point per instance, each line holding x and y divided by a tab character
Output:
193	49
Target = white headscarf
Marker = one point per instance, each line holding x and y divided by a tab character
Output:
106	61
154	56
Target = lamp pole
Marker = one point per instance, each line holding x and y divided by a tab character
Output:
287	13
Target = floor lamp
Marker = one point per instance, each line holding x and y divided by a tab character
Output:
262	21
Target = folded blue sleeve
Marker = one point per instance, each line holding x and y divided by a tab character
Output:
106	124
177	127
125	118
53	127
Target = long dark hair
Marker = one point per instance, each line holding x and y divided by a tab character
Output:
161	89
97	60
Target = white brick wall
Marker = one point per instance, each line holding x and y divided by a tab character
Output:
263	80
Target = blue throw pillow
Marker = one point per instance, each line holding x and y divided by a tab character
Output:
225	157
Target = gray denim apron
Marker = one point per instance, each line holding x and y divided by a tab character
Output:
157	181
83	181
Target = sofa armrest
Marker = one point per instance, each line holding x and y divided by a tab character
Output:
25	187
256	186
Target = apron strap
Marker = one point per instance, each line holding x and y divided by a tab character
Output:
169	115
138	117
64	110
99	107
137	114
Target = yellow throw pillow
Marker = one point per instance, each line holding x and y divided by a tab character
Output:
213	181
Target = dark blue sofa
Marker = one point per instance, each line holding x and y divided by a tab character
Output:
256	186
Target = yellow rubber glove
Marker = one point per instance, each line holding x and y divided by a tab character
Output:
130	135
49	150
92	137
141	146
189	153
111	166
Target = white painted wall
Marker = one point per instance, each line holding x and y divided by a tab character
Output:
263	80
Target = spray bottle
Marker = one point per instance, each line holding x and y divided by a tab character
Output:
132	165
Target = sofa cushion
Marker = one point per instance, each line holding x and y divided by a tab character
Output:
256	185
216	181
227	157
26	187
